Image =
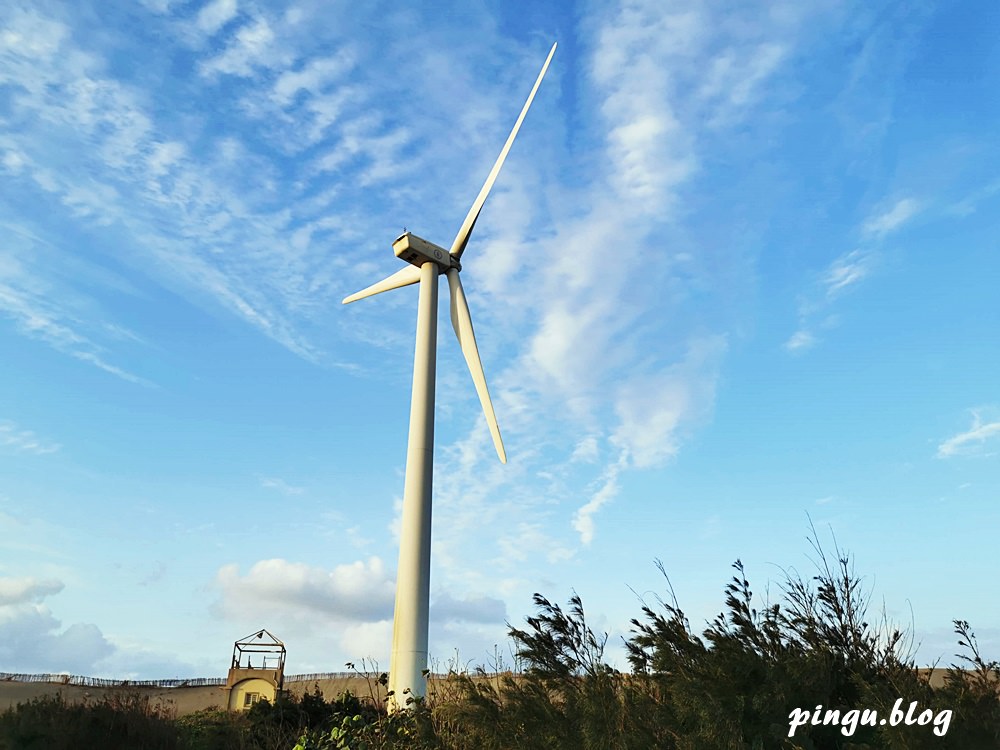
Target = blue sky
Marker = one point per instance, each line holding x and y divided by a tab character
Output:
739	271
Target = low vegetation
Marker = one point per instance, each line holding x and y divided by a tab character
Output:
733	686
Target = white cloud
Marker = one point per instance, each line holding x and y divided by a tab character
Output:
734	78
25	590
199	217
355	599
158	6
280	485
847	270
30	35
652	409
586	450
972	442
567	348
164	156
369	641
214	15
13	161
251	47
889	220
800	340
24	440
363	143
359	591
525	541
313	78
651	153
844	273
583	519
38	315
135	661
31	638
970	204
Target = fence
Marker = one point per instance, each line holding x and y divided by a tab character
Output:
73	679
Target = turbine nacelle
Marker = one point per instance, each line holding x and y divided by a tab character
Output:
417	250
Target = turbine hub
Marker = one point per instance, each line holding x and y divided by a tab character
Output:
418	251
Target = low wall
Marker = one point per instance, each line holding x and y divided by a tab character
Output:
180	696
187	696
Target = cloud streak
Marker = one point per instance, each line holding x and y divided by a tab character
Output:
42	308
24	441
891	219
280	485
846	271
975	441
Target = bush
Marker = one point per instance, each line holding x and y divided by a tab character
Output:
119	720
734	686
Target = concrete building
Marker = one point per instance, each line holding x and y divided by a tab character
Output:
257	671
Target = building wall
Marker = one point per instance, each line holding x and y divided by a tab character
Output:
255	687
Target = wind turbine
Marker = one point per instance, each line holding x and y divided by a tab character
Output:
409	629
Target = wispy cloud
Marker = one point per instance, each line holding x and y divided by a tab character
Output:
280	485
846	271
971	202
864	109
167	183
583	519
736	77
42	307
976	441
210	207
800	340
13	438
889	220
586	450
249	48
653	411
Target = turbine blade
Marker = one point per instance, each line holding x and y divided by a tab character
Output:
461	319
462	238
405	277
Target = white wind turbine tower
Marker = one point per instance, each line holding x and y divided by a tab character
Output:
427	260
